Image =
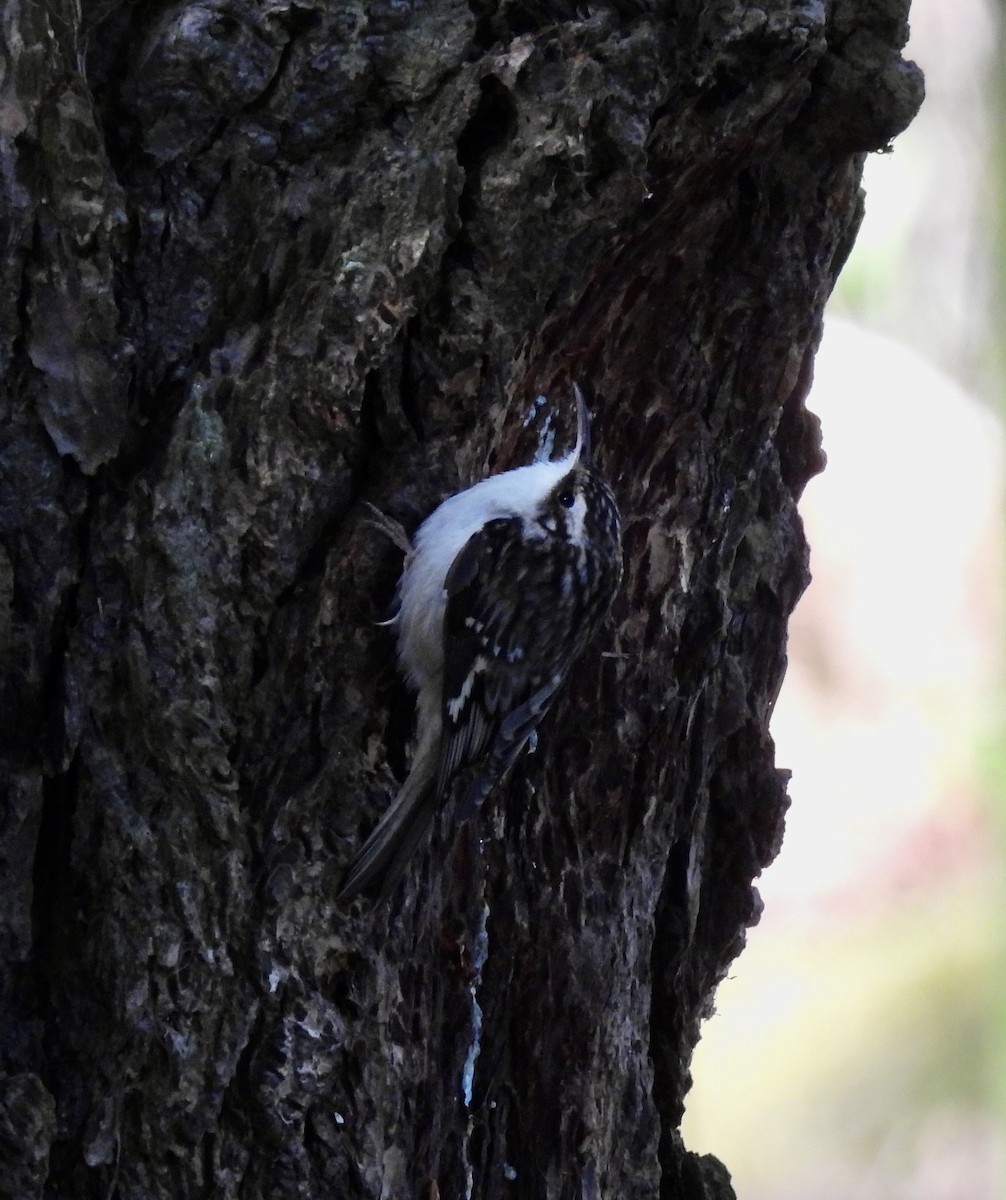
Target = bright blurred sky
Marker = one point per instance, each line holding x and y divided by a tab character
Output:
894	650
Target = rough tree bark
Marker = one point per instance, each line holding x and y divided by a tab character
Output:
265	260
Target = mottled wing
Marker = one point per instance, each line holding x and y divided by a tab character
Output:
493	699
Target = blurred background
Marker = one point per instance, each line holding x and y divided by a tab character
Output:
859	1046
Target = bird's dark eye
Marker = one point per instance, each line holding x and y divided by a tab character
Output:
566	498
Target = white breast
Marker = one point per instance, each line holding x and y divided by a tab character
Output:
437	543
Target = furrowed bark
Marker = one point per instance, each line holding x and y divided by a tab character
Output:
267	261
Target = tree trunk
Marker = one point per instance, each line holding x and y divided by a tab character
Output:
264	261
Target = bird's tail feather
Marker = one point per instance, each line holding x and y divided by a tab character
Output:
384	854
386	851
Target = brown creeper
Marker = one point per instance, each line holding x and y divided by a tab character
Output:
503	586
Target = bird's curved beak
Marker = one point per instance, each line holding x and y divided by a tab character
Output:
582	447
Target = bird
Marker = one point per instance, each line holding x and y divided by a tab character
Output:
502	587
